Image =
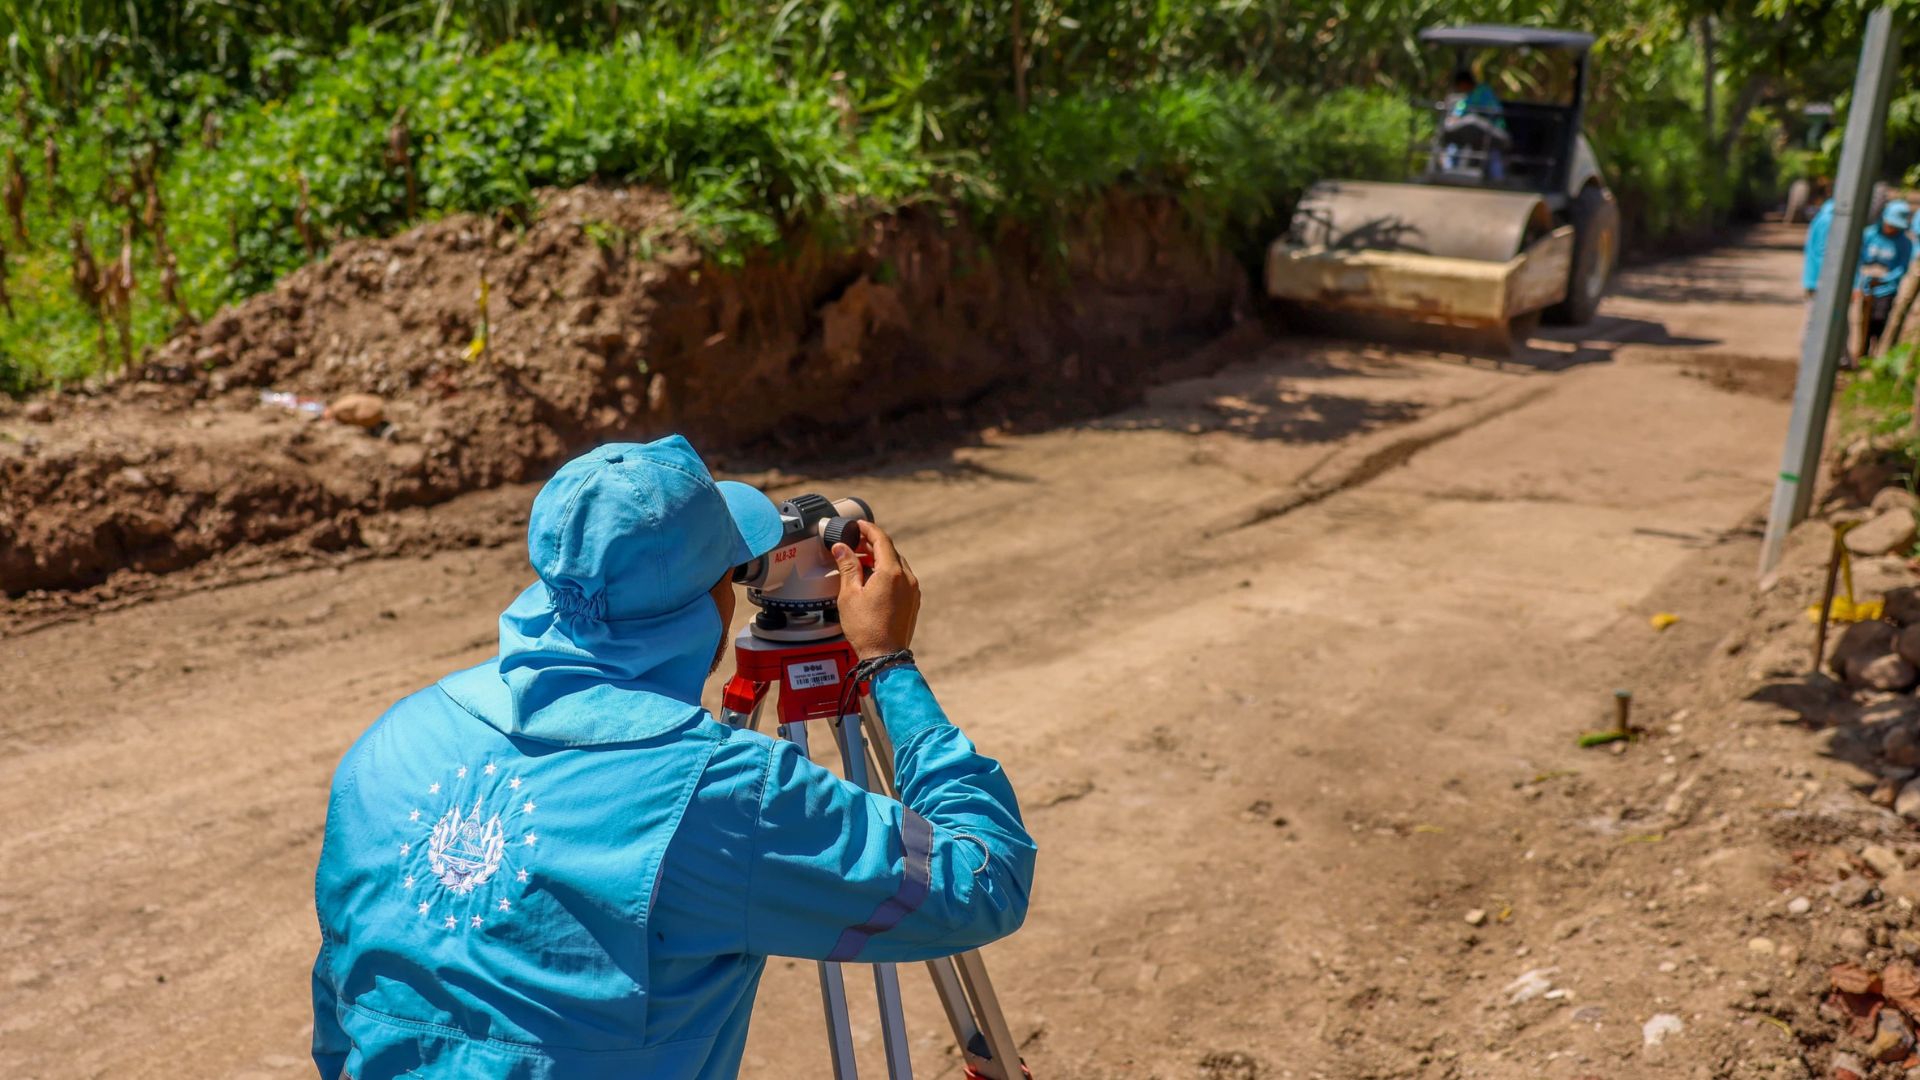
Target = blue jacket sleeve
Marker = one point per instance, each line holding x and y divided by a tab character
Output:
839	873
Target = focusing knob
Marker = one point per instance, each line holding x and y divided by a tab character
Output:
841	531
808	508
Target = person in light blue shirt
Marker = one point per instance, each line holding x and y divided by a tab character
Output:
1475	127
1817	229
557	865
1886	250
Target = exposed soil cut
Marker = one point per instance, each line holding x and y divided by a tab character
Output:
491	352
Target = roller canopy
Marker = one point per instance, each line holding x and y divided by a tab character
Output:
1507	37
1424	219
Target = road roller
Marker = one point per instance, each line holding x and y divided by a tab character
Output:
1506	220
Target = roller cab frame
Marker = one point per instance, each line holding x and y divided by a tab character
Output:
1507	219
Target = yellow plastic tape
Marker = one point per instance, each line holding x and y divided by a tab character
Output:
1849	610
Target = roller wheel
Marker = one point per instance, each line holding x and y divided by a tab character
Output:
1596	247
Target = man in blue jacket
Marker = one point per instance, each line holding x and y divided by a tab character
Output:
1815	253
1886	250
557	865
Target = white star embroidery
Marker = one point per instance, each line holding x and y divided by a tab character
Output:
423	907
451	922
521	876
408	883
489	770
505	905
435	789
462	774
514	783
531	837
475	922
414	816
527	809
404	848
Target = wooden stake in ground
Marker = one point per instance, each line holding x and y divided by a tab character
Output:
483	339
1836	561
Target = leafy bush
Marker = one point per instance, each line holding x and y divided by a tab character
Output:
1235	153
1665	179
1878	399
745	153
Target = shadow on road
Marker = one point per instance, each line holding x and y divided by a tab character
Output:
1280	412
1565	347
1665	288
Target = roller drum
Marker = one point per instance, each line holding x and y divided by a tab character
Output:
1422	219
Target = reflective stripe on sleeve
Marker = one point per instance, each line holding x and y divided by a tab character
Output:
916	836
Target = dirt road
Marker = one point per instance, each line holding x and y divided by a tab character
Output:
1269	745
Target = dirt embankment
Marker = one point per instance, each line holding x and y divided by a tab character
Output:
1838	854
496	351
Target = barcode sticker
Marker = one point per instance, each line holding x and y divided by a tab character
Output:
811	673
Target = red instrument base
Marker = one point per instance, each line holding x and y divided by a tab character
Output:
811	675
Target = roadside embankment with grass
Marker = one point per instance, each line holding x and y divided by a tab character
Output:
156	170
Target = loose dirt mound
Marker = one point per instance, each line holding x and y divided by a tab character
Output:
494	351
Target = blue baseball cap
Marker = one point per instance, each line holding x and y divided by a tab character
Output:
637	530
1897	214
616	639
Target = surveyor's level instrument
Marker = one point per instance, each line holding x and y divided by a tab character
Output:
812	678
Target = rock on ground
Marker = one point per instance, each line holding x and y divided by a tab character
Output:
358	410
1888	532
1887	672
1894	498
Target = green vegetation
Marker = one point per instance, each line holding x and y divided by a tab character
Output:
1879	398
168	158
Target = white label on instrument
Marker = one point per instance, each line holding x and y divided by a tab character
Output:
811	673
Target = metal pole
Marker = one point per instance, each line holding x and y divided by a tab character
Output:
1826	331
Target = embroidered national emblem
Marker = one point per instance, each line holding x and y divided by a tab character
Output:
465	852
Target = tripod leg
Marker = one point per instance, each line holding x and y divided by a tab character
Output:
953	1000
833	985
993	1023
967	994
886	979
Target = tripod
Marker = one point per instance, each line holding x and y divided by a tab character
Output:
811	676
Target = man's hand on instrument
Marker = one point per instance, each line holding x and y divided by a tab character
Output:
878	607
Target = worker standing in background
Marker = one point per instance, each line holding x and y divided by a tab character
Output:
1886	250
1816	249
